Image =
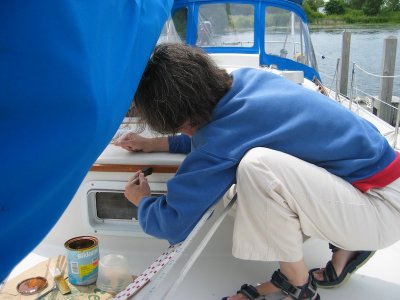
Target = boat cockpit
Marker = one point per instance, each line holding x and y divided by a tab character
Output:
267	33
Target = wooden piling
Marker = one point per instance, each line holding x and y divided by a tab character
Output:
344	68
386	112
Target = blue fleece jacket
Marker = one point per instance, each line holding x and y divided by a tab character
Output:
262	110
179	144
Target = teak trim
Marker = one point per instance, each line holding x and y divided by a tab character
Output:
132	168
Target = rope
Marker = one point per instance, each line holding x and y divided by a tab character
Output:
376	98
380	76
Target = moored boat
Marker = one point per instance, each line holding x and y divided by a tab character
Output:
272	35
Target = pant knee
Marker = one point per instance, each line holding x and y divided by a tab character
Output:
255	158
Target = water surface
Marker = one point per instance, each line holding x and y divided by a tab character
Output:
366	51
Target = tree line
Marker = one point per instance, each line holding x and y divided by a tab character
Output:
354	10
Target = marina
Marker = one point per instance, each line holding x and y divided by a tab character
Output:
202	267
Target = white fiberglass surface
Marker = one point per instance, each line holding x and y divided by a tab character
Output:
216	273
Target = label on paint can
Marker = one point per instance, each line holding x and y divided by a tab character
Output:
82	259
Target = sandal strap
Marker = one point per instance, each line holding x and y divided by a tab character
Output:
306	291
249	291
329	272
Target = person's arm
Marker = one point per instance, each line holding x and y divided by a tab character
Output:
174	144
200	181
133	142
180	144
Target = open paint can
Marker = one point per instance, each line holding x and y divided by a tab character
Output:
82	259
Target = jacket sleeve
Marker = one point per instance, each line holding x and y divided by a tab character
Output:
201	180
180	144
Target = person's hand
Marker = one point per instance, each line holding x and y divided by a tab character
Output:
133	142
137	188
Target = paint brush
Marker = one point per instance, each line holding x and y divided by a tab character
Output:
61	284
146	172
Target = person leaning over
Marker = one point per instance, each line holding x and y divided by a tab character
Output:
299	162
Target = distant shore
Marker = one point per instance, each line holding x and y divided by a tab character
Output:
352	25
341	22
353	17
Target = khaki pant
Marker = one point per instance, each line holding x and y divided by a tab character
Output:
281	198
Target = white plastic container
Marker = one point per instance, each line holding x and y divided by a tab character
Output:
113	274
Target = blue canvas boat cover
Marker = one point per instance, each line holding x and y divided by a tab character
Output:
68	72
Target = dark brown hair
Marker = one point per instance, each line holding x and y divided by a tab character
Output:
180	84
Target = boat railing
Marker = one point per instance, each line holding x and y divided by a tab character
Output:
387	110
361	101
248	43
283	42
331	78
237	43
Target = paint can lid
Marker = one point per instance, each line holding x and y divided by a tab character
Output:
32	285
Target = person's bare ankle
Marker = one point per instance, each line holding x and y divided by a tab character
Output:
299	281
295	272
340	258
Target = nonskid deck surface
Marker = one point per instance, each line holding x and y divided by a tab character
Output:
217	273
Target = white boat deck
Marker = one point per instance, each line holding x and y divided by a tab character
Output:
217	273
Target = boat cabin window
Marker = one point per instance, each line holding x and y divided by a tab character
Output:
114	206
225	25
286	36
174	30
109	211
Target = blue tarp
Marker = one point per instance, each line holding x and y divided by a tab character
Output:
68	72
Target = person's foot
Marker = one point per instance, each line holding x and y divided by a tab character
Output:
264	289
292	279
339	260
268	288
340	268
